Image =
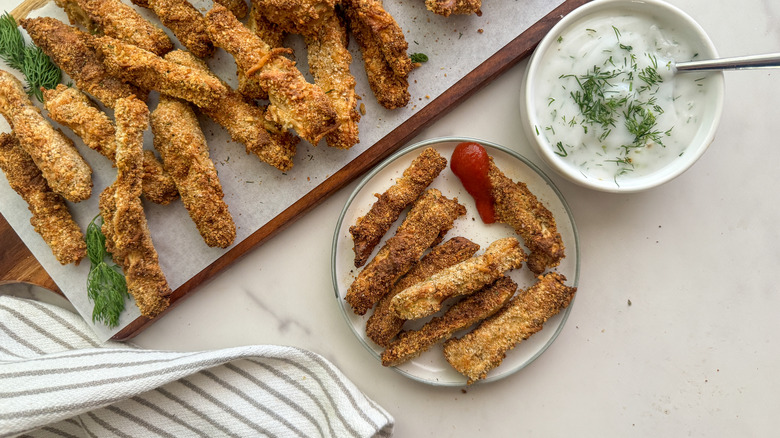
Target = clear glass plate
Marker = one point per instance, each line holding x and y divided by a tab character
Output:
431	367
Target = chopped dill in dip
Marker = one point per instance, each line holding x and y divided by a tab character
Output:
609	102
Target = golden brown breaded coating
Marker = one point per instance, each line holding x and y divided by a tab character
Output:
329	62
295	103
244	121
390	89
151	72
383	325
239	8
387	33
50	216
55	154
124	221
463	314
272	35
426	298
181	144
185	21
517	207
68	48
118	20
457	7
485	347
301	17
369	229
157	184
72	108
431	214
76	15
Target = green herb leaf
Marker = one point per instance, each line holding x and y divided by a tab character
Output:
419	57
11	42
37	68
106	286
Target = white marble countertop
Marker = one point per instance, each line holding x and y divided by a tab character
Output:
673	331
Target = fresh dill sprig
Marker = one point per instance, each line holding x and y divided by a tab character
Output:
106	286
12	45
37	68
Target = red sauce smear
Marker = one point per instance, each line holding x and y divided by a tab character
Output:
470	162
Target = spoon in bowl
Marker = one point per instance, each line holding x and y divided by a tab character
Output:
735	63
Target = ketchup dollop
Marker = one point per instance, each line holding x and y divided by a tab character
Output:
470	162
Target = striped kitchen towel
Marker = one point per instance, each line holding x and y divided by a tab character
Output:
57	379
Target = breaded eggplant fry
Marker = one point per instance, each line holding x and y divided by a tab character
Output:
273	35
457	7
76	15
50	216
485	347
268	31
185	21
124	221
295	103
118	20
465	313
151	72
239	8
303	17
369	229
329	62
244	121
383	325
72	108
68	48
430	215
517	207
387	33
425	298
157	184
390	89
181	144
55	154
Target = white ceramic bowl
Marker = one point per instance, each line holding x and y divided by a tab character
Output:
673	27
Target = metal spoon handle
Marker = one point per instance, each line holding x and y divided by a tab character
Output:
736	63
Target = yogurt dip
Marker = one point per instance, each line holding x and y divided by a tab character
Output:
608	102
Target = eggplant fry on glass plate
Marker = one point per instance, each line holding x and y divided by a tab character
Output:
369	229
463	314
383	324
431	216
426	298
485	347
517	207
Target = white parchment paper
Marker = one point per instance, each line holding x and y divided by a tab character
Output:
254	191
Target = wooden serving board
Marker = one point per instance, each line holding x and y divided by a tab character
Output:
17	264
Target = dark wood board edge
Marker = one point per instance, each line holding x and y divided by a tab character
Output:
17	263
515	51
